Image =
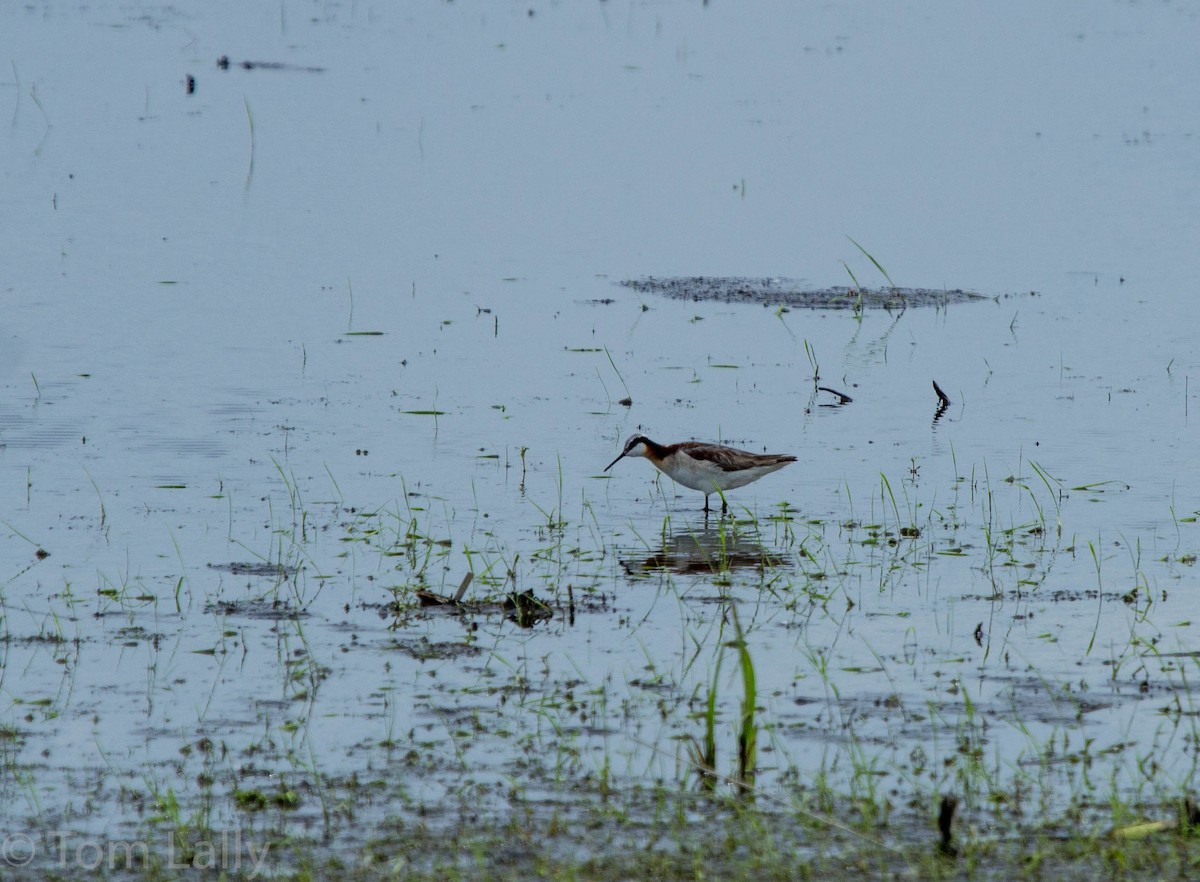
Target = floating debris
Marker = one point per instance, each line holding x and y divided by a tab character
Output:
429	598
795	293
945	824
943	402
261	569
1187	820
224	64
525	609
270	610
842	398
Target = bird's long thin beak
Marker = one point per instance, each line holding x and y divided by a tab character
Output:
614	462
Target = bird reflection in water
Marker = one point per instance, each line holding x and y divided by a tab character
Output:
703	550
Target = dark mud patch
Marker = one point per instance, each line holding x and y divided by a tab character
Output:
260	570
271	610
522	607
796	294
424	649
134	635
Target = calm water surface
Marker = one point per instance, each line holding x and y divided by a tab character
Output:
359	315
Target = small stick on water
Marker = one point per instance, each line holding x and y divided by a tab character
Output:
627	401
841	397
1191	812
945	822
462	586
942	396
1186	822
250	122
428	598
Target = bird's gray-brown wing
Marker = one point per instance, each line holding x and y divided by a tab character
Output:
729	459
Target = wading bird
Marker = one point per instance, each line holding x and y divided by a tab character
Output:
708	468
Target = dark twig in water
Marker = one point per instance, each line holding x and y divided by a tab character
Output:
428	598
942	396
462	587
224	64
841	398
943	402
945	824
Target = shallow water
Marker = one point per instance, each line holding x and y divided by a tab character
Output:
365	323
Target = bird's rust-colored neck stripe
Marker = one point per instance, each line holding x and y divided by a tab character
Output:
658	451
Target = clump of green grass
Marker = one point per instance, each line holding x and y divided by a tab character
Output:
747	733
703	750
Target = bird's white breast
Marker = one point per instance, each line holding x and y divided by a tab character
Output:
705	476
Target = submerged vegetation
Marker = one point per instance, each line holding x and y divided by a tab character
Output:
752	696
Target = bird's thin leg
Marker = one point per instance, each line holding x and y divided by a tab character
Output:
724	506
706	502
